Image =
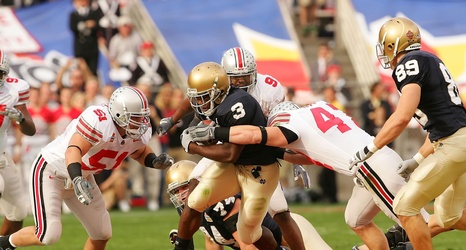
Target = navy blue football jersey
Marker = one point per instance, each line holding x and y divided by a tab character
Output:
440	110
240	108
213	224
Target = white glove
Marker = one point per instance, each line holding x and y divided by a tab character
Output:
299	170
14	114
361	156
202	132
165	125
81	189
163	161
408	166
172	235
186	139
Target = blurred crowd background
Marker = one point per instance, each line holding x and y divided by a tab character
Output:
112	31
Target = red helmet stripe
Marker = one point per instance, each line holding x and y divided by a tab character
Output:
141	95
1	56
239	57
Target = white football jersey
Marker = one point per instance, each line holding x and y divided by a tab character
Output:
13	93
326	135
268	91
108	149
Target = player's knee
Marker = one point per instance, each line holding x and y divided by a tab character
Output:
53	233
446	220
106	231
200	197
249	234
255	208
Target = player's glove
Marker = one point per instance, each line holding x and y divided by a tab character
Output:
299	170
165	125
82	190
361	156
202	132
408	166
163	161
14	114
186	139
172	235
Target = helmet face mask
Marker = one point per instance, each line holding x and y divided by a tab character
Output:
4	67
397	35
240	62
208	85
129	109
177	178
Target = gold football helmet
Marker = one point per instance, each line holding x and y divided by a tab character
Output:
397	35
177	181
208	85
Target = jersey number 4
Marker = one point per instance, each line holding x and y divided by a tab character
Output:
326	120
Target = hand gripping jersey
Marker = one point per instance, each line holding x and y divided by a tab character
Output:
13	93
108	149
441	111
268	92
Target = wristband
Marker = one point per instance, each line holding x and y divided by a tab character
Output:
74	170
418	157
372	148
263	136
222	134
149	159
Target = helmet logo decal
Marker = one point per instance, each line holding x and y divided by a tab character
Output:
239	57
410	35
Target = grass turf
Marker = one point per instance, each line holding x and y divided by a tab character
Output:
144	230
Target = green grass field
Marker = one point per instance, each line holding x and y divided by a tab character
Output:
144	230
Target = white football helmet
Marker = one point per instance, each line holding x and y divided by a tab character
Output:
208	85
240	62
177	178
130	110
395	36
279	109
4	67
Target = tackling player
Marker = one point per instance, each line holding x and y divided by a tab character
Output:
240	66
14	94
326	136
429	94
100	138
249	169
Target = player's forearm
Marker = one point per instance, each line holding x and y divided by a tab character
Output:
426	148
392	128
184	109
244	134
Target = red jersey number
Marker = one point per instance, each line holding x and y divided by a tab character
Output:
325	120
94	160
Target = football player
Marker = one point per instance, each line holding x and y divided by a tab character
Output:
100	138
240	66
250	169
219	220
429	94
326	136
14	94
